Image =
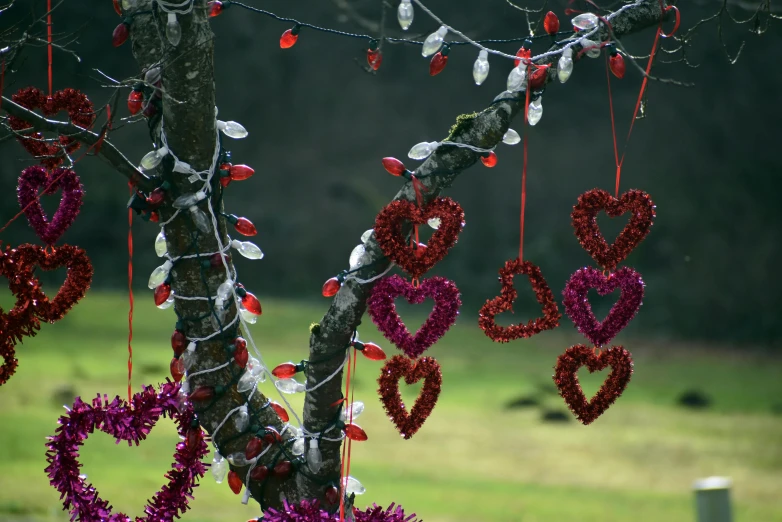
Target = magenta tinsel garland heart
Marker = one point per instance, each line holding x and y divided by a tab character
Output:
382	310
131	423
580	311
36	177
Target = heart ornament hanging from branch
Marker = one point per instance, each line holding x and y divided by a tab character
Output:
566	379
427	368
584	221
34	178
504	302
389	236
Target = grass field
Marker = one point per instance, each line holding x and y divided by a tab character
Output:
474	460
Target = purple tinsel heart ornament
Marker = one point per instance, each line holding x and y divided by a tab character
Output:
580	311
382	310
36	177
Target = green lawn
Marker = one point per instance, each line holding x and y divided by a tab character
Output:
472	461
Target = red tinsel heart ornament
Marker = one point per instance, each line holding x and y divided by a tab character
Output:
80	112
504	302
584	220
398	366
76	284
566	379
388	232
34	178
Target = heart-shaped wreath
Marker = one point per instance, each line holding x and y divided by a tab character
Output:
35	177
413	371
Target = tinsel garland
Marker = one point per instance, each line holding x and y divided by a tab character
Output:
129	423
580	311
310	511
382	310
77	280
388	233
426	368
566	379
584	221
504	303
80	112
35	177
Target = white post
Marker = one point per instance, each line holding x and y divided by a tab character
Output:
712	499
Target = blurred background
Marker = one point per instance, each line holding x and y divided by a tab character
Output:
707	394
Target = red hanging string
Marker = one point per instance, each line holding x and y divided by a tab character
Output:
350	442
524	175
49	40
342	476
130	297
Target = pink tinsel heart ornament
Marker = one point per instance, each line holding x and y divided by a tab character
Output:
383	312
36	177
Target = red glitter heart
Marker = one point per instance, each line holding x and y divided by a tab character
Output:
398	366
504	302
584	220
388	232
76	284
566	379
80	112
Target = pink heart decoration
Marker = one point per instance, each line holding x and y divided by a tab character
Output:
131	423
382	310
34	178
580	311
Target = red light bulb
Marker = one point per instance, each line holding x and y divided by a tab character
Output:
251	304
617	64
489	160
240	172
288	38
202	394
235	482
523	54
285	370
332	495
215	8
245	227
177	369
241	356
355	432
272	436
253	448
156	197
135	102
192	438
178	342
259	473
420	250
394	166
240	343
438	63
120	34
374	58
154	217
373	352
117	7
551	23
283	469
331	287
282	412
537	77
216	260
162	292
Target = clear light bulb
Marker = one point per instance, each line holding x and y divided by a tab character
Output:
232	129
188	200
246	383
423	150
200	219
247	249
357	408
219	468
434	222
356	255
585	21
225	290
591	48
241	419
160	244
289	386
565	65
247	316
173	30
159	275
366	235
153	158
352	485
405	14
127	4
517	79
511	137
480	69
255	367
298	447
434	41
237	459
314	457
168	302
535	111
188	358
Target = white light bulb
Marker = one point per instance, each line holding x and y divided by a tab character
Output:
173	30
356	409
405	14
246	383
434	222
241	418
511	137
188	358
591	48
232	129
352	485
237	459
298	447
160	244
355	256
247	316
423	150
480	69
434	41
314	457
219	468
585	21
200	219
188	200
127	4
517	79
159	275
366	235
289	386
153	158
225	290
565	65
255	367
535	111
247	249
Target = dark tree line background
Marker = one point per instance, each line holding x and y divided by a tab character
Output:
319	125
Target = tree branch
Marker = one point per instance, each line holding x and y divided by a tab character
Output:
439	171
107	152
